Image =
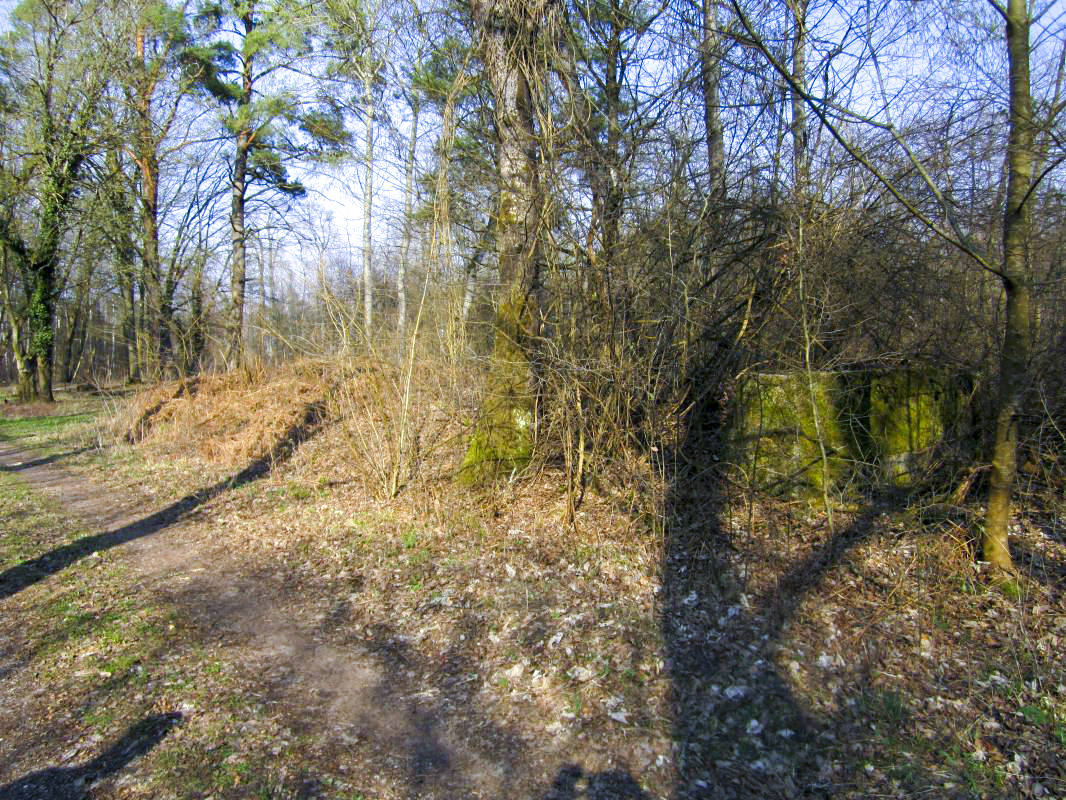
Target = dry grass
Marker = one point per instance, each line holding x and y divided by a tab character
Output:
395	427
227	418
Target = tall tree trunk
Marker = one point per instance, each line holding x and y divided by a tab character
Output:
16	320
125	255
800	151
711	78
408	211
159	339
368	207
238	197
612	201
27	370
43	262
147	158
1017	336
503	440
238	237
608	214
42	326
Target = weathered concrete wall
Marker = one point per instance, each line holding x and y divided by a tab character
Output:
877	426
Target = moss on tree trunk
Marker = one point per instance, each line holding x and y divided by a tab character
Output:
503	439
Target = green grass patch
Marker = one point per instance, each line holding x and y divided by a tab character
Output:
32	523
979	778
69	427
41	427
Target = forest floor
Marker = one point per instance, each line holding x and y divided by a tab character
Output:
181	618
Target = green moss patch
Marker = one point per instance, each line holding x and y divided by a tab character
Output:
874	427
503	440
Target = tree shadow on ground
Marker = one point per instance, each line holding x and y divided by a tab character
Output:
73	783
21	576
422	726
433	772
424	722
1039	567
43	460
740	729
573	783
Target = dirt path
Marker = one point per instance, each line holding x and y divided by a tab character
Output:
345	693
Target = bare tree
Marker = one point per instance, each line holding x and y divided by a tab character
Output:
509	34
1010	268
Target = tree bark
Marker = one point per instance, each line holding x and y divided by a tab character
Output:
16	320
408	211
800	153
368	208
1017	337
43	260
42	326
238	197
503	441
147	158
710	78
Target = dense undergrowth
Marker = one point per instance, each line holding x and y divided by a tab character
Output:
716	644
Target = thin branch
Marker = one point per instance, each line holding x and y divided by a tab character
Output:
951	237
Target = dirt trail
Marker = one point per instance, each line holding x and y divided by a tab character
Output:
342	692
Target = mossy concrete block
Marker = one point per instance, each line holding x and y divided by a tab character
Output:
876	426
783	421
910	411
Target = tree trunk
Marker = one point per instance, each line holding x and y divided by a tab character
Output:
1017	337
238	197
27	369
710	78
42	314
157	332
147	158
238	237
408	211
612	201
368	209
24	363
503	441
800	153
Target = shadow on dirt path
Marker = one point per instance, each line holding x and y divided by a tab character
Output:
573	783
416	723
42	473
55	458
742	732
73	783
